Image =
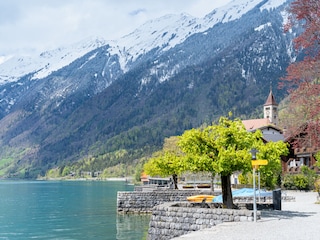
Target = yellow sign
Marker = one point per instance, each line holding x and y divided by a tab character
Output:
259	162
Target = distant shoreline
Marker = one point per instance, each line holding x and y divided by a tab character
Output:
118	179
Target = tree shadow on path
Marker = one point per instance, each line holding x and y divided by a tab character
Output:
285	214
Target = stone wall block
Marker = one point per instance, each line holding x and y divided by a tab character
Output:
230	211
243	218
173	225
185	227
179	214
196	215
212	222
199	221
190	215
249	213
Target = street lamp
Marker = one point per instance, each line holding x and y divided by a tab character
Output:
253	158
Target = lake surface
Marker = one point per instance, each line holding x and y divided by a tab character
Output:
66	210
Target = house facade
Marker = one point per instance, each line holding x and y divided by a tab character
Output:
302	154
268	125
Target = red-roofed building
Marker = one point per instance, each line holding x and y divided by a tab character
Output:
253	124
268	124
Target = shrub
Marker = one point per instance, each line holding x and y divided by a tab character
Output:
298	182
288	182
301	182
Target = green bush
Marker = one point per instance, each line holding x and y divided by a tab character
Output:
302	181
288	182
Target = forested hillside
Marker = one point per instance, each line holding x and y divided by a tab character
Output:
93	114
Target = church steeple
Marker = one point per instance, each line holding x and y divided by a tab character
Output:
270	109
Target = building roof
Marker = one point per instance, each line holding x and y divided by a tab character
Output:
271	100
253	124
273	137
265	126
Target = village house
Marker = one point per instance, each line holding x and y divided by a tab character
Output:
300	154
268	125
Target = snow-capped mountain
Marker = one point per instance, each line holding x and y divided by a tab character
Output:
43	64
163	33
170	74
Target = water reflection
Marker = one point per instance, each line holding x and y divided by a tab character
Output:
132	226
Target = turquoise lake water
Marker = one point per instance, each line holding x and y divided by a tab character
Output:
66	210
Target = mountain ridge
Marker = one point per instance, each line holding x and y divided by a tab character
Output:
66	56
111	99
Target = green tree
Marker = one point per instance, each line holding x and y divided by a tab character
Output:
223	148
166	162
197	148
271	152
220	149
66	171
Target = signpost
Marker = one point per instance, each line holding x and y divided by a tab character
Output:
255	164
259	162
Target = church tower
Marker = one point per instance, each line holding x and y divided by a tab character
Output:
270	109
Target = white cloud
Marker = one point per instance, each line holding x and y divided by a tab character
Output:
46	24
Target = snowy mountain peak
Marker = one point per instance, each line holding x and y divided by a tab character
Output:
168	31
271	4
15	67
232	11
162	34
236	8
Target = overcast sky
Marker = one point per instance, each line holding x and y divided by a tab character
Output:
47	24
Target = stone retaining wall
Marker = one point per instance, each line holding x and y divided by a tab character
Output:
173	216
143	202
171	220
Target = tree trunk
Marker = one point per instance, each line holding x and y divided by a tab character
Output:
226	192
175	180
212	181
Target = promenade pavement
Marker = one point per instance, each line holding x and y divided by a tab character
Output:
297	220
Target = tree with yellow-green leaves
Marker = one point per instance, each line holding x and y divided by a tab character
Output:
271	173
221	149
166	162
225	148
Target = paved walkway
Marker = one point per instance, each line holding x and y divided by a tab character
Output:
297	220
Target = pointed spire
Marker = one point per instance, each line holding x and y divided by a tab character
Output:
271	100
